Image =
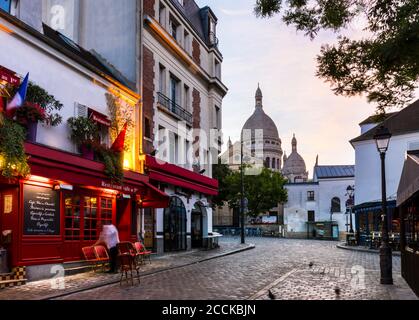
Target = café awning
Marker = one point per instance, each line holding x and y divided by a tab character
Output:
409	182
58	165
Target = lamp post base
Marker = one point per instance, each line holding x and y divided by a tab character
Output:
386	265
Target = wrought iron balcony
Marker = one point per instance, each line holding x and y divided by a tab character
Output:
174	108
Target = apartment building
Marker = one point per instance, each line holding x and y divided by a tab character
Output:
182	101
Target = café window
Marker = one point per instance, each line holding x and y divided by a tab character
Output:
5	5
84	216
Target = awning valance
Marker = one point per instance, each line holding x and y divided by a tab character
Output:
373	206
409	181
181	177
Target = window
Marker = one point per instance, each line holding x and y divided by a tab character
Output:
187	42
5	5
268	162
335	205
186	98
83	215
90	218
162	15
180	2
163	143
174	90
173	28
217	117
72	217
162	79
311	216
277	164
310	195
217	70
147	128
174	148
273	163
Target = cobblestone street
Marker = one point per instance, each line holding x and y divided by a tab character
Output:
279	265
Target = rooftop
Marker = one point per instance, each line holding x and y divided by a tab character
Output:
340	171
398	123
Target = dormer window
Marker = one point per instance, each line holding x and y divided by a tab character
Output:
213	31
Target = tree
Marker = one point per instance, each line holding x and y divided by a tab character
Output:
384	65
263	191
220	172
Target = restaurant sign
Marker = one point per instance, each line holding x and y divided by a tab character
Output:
9	76
120	188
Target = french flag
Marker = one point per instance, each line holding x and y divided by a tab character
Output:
20	96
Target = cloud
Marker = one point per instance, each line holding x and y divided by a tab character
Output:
229	12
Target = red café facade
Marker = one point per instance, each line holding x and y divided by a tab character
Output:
57	210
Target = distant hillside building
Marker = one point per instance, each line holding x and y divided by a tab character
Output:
317	209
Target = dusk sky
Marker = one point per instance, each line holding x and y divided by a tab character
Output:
284	62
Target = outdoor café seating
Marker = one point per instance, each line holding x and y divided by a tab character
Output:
129	261
142	252
96	256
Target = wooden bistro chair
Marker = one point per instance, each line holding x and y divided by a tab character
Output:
128	261
90	257
102	256
142	251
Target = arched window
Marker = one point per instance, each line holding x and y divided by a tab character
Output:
335	205
268	162
278	166
175	226
273	163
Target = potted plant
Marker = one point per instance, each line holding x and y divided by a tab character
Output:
39	106
85	134
50	105
28	116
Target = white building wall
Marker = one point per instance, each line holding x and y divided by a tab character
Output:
368	167
63	78
297	207
329	189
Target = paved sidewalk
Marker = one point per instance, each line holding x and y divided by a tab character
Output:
45	289
343	245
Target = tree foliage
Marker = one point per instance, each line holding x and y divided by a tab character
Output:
384	65
220	172
263	191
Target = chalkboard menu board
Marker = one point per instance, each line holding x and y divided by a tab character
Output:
41	211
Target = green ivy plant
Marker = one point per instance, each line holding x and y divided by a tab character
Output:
13	159
113	162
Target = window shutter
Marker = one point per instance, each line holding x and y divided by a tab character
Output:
81	110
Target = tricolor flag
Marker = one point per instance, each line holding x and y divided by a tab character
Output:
118	145
19	98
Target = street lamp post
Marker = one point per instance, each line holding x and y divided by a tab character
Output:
350	192
382	139
242	190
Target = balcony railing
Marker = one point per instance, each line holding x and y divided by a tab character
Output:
174	108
